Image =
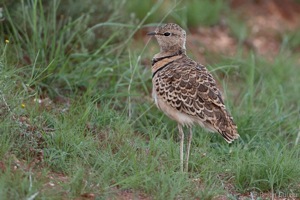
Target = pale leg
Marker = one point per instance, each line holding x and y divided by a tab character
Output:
188	149
181	136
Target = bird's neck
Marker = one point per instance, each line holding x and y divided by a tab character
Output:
162	59
169	53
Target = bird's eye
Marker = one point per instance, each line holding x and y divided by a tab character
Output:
167	34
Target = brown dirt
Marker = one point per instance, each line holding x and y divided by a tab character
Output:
266	21
130	195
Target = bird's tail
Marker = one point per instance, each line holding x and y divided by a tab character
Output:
229	132
225	125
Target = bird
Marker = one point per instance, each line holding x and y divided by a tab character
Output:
186	91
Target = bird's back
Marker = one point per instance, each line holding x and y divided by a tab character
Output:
187	93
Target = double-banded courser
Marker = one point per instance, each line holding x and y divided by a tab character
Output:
185	91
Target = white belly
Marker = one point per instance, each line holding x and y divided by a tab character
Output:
173	113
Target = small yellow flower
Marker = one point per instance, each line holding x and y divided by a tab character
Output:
6	41
23	105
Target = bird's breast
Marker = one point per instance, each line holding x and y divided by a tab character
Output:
162	63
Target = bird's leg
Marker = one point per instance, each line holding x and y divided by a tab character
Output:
181	136
188	149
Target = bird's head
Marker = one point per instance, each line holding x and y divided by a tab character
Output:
170	37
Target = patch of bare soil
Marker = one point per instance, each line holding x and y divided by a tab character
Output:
129	195
266	20
215	40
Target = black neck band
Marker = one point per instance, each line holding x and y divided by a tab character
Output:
155	60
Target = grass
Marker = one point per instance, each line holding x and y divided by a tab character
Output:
186	13
76	119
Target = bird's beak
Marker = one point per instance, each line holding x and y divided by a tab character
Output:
151	33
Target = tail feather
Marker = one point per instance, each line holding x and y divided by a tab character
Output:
226	126
230	132
230	136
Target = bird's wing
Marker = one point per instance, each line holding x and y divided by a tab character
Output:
191	89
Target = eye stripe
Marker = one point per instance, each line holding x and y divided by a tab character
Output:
164	34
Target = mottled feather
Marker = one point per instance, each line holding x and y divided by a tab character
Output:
190	89
185	91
